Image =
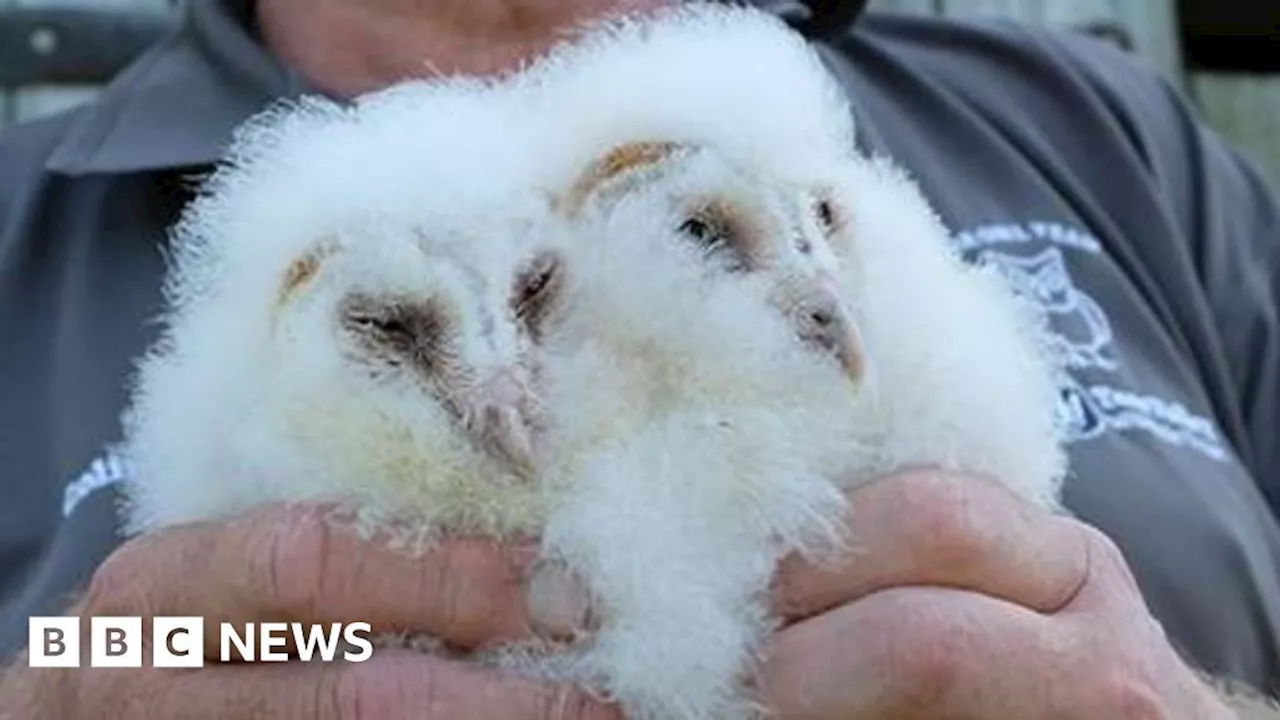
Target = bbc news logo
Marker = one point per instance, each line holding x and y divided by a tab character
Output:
178	642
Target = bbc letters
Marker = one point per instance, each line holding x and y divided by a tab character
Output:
180	642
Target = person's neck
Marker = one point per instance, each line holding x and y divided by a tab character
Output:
348	47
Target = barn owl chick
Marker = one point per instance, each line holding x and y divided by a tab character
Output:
699	436
397	372
703	84
738	223
432	325
713	438
704	374
345	324
708	438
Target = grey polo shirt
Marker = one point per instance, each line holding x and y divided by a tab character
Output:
1155	250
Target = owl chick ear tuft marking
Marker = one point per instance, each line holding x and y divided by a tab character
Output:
633	155
301	271
621	159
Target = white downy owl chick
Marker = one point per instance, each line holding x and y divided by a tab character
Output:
708	441
709	101
699	433
352	310
739	88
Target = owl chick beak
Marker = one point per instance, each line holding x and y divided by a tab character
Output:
500	418
822	321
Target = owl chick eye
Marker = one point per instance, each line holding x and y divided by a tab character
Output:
717	238
396	330
537	284
826	212
388	327
535	288
703	232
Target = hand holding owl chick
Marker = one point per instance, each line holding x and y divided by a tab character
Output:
862	641
969	599
682	476
290	563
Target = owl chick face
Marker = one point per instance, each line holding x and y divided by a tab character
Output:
735	222
451	320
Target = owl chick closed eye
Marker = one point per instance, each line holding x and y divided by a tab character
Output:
434	326
397	373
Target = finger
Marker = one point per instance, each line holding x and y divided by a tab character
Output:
910	654
1153	674
296	564
1110	588
389	685
926	527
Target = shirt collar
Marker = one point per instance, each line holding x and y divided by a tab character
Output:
179	104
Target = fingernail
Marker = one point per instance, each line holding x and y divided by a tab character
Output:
559	606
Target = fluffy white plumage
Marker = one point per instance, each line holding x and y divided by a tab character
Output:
690	435
961	372
256	392
957	373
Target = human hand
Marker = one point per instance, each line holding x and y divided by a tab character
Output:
290	564
962	601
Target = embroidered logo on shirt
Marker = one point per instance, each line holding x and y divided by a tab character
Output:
1084	335
1038	269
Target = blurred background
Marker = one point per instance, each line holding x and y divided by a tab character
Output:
1222	54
